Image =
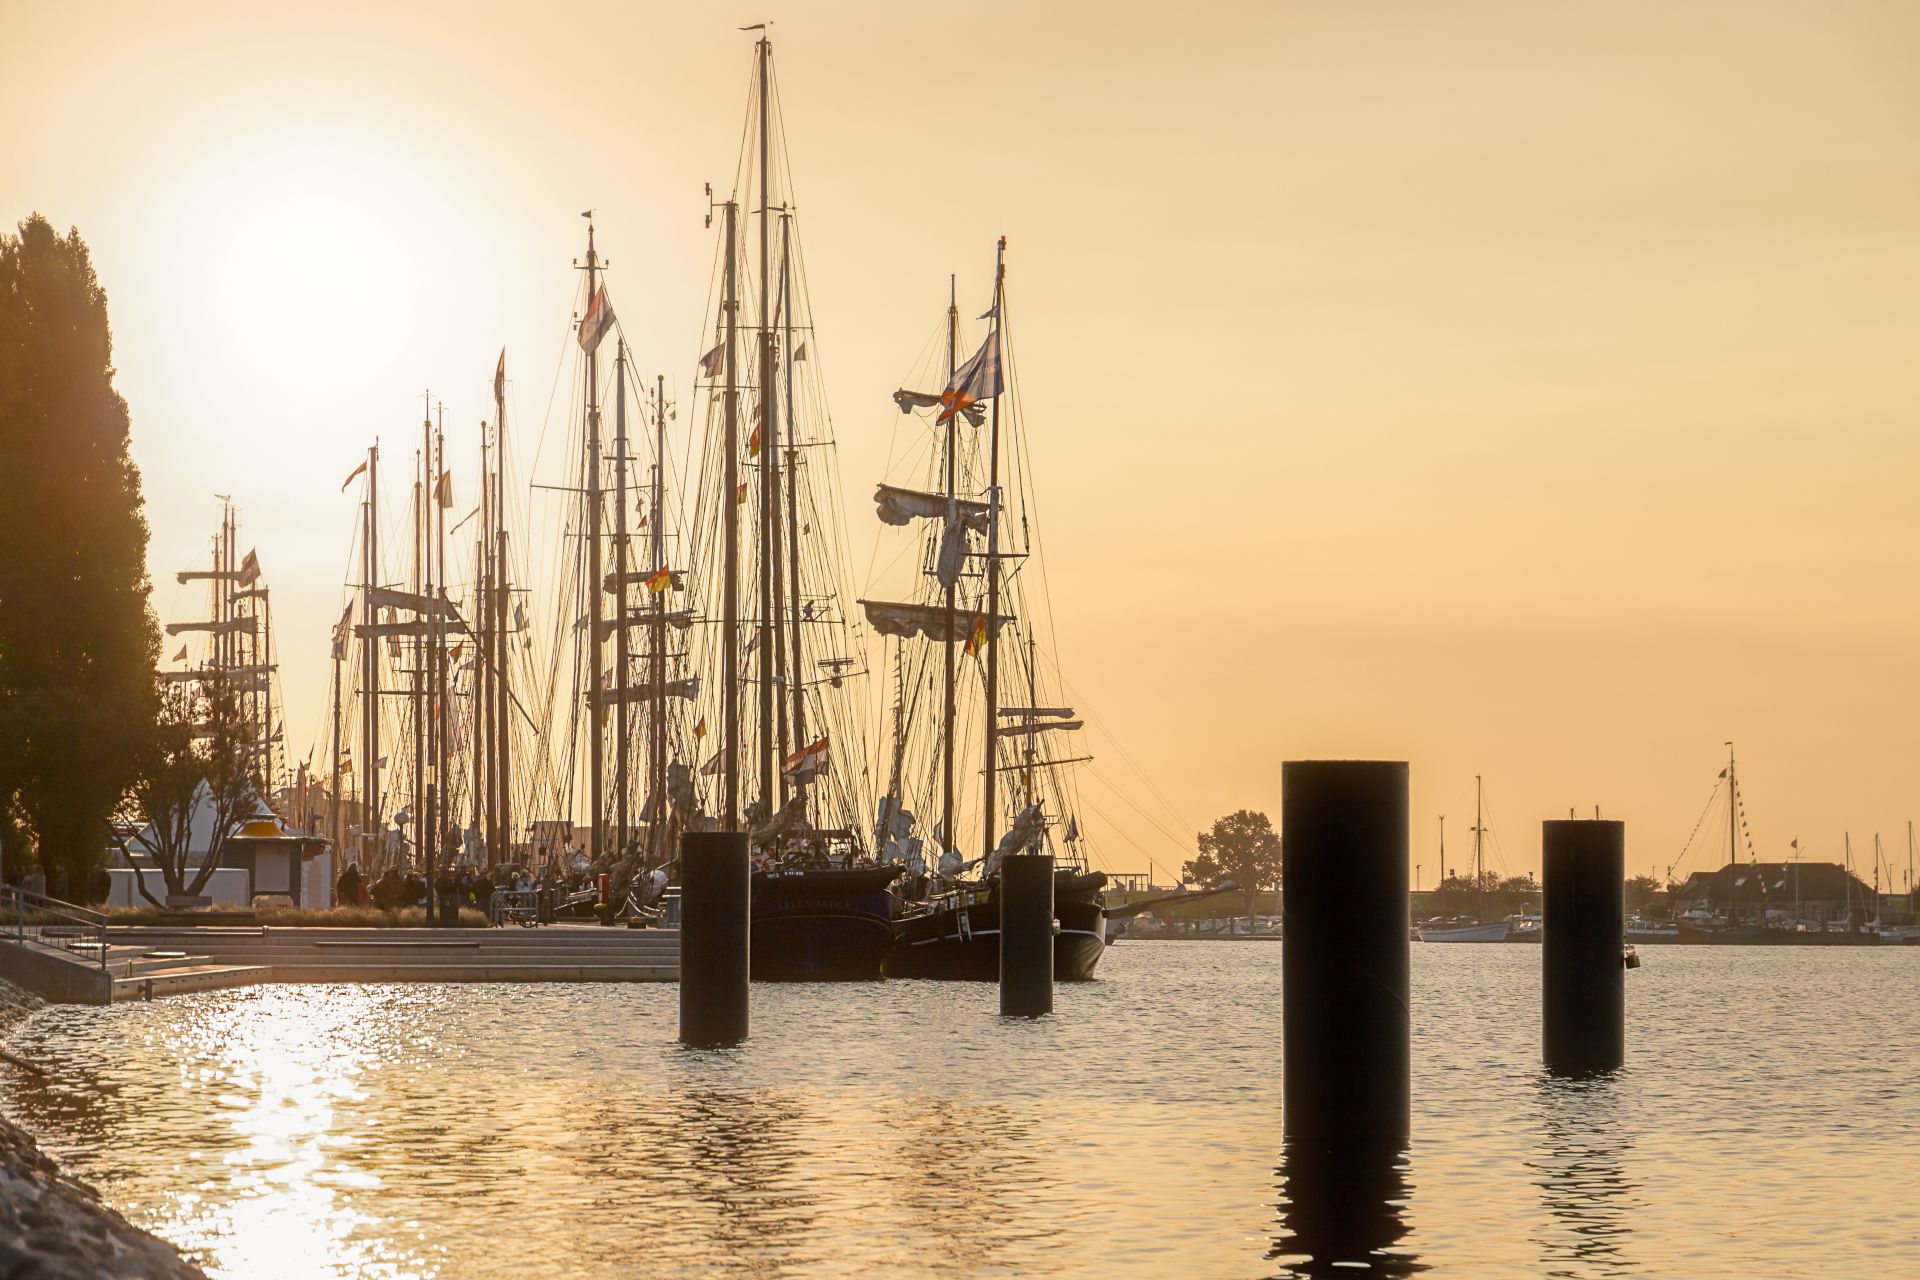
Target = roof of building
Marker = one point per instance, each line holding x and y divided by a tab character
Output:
1824	881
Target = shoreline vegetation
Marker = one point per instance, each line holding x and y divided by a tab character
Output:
286	918
53	1225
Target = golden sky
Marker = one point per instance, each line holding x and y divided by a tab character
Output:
1518	389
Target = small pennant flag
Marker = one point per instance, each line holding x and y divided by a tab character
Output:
700	729
712	767
977	638
714	361
659	580
800	353
443	491
382	764
249	570
346	764
180	656
753	442
599	319
740	494
977	379
500	377
353	475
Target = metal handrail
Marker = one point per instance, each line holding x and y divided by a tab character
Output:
53	923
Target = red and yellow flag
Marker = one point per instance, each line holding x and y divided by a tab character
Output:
659	580
740	494
978	637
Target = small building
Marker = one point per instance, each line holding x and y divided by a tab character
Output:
1814	892
270	859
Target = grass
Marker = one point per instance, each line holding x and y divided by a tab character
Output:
286	917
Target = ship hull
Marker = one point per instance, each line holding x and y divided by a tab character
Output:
1486	931
821	925
959	939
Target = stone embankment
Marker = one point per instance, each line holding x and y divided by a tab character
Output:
53	1227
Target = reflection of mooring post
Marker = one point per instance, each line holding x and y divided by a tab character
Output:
1583	996
714	905
1026	934
1343	885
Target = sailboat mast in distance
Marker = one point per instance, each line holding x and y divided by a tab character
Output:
503	610
987	823
730	555
657	718
596	699
768	545
947	838
371	823
795	664
620	595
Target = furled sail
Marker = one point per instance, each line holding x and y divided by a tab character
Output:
1023	831
1040	726
613	580
411	601
901	506
232	626
421	628
1021	712
929	620
687	688
233	575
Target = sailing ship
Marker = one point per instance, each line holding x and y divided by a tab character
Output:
788	766
238	654
1481	929
964	621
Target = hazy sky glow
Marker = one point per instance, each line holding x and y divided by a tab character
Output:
1518	389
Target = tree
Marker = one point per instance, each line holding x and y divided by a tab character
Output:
1642	891
198	760
78	642
1242	847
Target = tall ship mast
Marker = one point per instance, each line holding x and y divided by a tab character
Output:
237	652
781	659
982	738
615	735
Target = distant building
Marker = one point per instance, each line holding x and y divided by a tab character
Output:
1816	892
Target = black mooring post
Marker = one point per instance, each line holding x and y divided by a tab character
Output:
1343	885
1583	994
1026	935
714	905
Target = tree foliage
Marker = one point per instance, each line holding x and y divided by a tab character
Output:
1242	847
78	643
199	760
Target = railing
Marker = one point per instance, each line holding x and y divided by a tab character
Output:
36	918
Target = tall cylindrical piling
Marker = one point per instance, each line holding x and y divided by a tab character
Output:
715	888
1343	881
1583	995
1026	935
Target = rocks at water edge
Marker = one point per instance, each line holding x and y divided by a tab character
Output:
53	1227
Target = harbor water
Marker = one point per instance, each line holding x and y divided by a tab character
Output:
1765	1123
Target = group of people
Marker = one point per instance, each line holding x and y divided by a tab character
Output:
455	889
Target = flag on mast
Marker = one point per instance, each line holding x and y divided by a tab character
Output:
977	638
977	379
805	760
500	377
659	580
599	319
249	569
714	361
180	656
443	490
353	475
